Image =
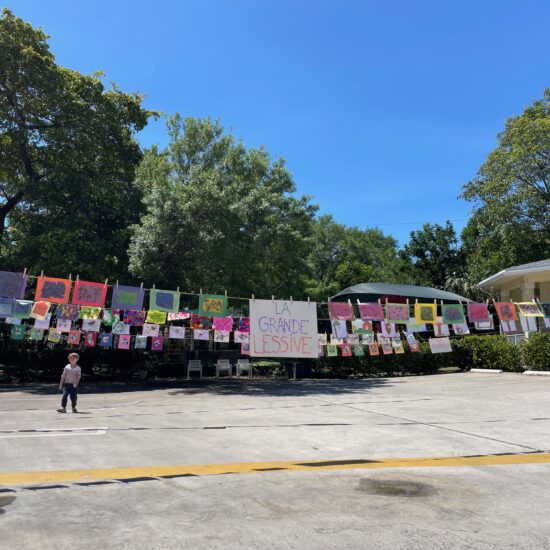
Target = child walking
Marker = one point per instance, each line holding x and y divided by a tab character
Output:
69	382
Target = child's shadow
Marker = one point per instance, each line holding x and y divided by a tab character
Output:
80	412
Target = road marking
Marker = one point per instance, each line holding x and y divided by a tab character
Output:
52	432
23	478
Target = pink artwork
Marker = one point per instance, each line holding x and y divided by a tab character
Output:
397	312
90	339
245	348
223	324
124	341
371	311
478	313
157	343
340	311
178	316
86	293
150	329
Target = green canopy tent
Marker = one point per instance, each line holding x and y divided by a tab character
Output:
372	292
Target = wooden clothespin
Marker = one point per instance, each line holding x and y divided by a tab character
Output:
291	299
225	292
273	298
200	291
308	300
253	299
24	272
42	273
178	289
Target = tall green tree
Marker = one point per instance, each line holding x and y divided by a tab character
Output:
67	160
510	224
219	216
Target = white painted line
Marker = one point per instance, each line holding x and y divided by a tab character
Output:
48	434
53	432
491	371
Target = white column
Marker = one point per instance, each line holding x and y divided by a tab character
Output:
527	292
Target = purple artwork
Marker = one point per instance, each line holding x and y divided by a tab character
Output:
127	297
340	311
223	324
12	285
371	311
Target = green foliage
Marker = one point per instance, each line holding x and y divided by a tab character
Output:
67	160
490	352
219	216
536	351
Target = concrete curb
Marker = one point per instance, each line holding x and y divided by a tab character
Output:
491	371
537	372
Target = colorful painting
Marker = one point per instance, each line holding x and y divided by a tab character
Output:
90	339
387	348
244	324
361	327
18	332
413	326
508	326
241	337
340	311
322	339
110	317
91	325
411	340
150	329
178	315
486	325
157	343
346	350
40	311
54	336
367	339
440	328
86	293
224	324
397	346
212	305
388	330
22	309
43	323
415	348
529	309
545	309
156	317
371	311
119	327
245	348
164	300
73	338
140	342
358	350
50	289
452	314
506	311
106	340
89	312
177	333
339	329
12	285
124	341
478	313
6	307
440	345
321	350
353	339
336	341
127	297
374	349
221	336
460	329
528	324
425	313
203	323
134	317
201	334
63	325
332	350
13	321
69	312
37	334
397	313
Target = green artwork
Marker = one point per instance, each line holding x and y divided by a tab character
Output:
212	305
109	317
358	350
332	350
89	312
37	334
22	309
453	314
18	332
164	300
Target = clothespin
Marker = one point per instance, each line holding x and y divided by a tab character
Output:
226	292
140	287
154	286
77	278
308	301
291	299
200	291
42	273
106	281
178	289
24	272
273	298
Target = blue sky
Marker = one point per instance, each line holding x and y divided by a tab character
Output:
382	110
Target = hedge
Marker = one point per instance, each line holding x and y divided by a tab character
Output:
536	351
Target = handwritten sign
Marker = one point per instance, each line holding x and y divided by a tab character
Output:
280	328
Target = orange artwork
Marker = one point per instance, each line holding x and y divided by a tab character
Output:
50	289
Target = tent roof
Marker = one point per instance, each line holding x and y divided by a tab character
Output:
366	292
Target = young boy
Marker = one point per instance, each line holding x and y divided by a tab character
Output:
69	382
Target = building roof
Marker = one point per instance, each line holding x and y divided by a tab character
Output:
515	271
368	292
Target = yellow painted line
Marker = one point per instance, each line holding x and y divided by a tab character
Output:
55	476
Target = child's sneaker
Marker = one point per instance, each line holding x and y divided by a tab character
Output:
62	410
74	410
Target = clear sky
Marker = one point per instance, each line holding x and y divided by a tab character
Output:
381	109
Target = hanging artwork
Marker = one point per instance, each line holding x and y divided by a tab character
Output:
508	326
413	326
529	309
110	316
528	324
50	289
425	313
346	350
545	309
397	313
140	342
367	339
506	311
340	311
40	310
86	293
63	325
119	327
221	336
43	323
54	336
414	347
388	330
412	342
12	285
336	341
134	317
157	343
358	350
124	341
371	311
332	350
90	339
178	316
440	328
213	305
176	333
224	324
387	348
127	297
321	350
440	345
361	327
164	300
245	348
22	309
353	339
339	329
322	339
89	312
203	323
478	313
6	307
106	340
91	325
397	346
486	325
73	339
68	311
452	314
374	349
37	334
18	332
156	317
150	329
244	324
241	337
13	321
460	329
201	334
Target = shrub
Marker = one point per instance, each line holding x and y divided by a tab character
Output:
536	351
494	352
